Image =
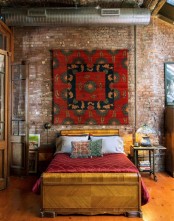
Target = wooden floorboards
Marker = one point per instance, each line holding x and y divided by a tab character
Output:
18	203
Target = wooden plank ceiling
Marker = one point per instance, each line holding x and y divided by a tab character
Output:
66	3
154	5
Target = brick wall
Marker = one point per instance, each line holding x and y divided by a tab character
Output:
149	47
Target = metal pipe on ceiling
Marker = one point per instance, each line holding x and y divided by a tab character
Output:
75	16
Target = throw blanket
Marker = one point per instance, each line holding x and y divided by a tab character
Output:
109	163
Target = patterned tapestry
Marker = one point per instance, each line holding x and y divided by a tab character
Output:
90	87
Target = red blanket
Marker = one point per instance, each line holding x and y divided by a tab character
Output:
116	163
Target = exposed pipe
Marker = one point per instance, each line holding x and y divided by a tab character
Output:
135	82
75	16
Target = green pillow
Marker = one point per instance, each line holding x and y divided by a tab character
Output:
96	148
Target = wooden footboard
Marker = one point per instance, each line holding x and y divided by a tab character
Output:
91	193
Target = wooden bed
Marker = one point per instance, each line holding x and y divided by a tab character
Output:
91	193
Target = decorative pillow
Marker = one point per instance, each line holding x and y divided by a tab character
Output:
63	143
80	149
110	144
96	148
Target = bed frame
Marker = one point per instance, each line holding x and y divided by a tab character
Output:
91	193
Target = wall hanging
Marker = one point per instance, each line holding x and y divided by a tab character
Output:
90	87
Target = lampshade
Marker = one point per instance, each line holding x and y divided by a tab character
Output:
145	130
47	125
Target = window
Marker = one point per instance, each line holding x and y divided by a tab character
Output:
171	2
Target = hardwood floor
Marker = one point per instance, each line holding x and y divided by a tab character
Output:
18	203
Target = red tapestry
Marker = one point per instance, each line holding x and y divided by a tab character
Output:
90	87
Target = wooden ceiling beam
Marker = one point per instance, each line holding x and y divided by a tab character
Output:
147	3
151	4
158	7
154	5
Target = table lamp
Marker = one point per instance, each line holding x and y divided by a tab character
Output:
145	130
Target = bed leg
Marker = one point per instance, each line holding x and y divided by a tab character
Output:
134	214
50	214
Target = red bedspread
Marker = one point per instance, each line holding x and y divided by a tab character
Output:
62	163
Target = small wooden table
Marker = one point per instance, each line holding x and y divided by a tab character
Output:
151	150
45	155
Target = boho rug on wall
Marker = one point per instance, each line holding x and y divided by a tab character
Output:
90	87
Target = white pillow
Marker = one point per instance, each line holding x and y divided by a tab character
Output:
110	144
63	143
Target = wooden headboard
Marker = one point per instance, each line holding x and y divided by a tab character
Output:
90	131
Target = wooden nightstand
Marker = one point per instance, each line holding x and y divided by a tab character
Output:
32	160
151	152
45	155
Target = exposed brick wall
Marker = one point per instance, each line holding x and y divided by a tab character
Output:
154	46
